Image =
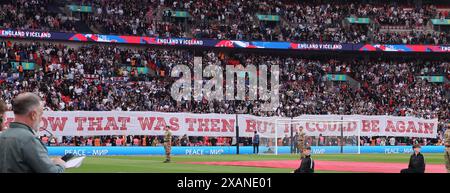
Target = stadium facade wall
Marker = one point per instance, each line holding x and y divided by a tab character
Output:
221	150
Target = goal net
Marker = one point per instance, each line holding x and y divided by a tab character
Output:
324	135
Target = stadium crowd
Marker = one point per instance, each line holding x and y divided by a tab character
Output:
105	77
236	19
33	15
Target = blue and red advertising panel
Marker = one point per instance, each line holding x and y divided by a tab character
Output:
223	150
59	36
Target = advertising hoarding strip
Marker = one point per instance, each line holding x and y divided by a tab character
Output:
59	36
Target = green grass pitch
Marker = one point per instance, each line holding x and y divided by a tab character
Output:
153	164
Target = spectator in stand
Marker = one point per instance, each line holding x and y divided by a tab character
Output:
118	141
213	141
206	141
184	140
108	142
97	141
372	141
129	140
414	141
89	141
45	140
155	141
144	141
383	141
392	141
135	141
82	141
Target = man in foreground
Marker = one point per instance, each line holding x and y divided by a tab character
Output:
307	164
416	162
21	151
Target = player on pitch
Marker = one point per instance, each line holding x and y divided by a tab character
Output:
167	143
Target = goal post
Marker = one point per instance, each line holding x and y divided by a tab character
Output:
331	135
